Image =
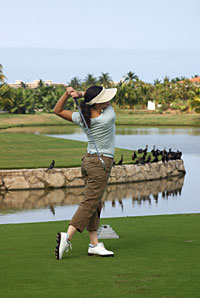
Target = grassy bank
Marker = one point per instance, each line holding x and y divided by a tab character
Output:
155	257
123	117
37	151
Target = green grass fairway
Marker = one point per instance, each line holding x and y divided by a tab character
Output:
156	256
158	119
123	117
37	151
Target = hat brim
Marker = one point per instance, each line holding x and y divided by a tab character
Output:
104	96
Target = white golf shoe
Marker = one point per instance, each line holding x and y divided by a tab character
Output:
63	245
99	250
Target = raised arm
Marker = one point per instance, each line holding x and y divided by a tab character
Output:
59	107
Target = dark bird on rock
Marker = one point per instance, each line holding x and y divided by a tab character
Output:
152	151
174	155
164	158
51	165
121	161
143	150
155	159
158	152
144	154
164	151
148	159
178	154
140	151
134	155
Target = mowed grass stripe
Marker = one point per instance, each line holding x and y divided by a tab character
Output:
123	117
37	151
155	256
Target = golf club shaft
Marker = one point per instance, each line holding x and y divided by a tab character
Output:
89	132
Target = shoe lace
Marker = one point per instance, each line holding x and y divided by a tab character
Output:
69	246
101	243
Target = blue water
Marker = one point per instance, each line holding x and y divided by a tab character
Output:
185	139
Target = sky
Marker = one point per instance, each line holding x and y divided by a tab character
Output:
82	31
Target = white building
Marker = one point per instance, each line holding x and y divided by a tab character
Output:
34	84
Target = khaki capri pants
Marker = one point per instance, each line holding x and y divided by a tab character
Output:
96	178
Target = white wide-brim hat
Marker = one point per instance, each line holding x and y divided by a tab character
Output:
104	96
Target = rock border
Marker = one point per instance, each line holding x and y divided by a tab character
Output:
71	177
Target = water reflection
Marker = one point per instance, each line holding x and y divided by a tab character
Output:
126	200
12	201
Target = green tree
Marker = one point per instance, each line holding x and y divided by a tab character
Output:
176	79
2	77
75	83
105	80
23	85
194	102
157	82
23	101
131	77
41	83
90	80
44	98
6	103
126	95
144	93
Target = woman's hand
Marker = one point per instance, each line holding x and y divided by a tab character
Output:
74	93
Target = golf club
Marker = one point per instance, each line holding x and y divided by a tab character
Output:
89	132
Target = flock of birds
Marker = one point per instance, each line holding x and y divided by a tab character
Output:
142	156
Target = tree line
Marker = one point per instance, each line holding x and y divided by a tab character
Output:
176	94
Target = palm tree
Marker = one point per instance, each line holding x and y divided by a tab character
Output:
6	103
157	82
23	85
105	80
183	78
41	83
2	77
19	101
131	77
90	80
175	80
75	83
166	79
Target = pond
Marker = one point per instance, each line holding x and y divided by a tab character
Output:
178	195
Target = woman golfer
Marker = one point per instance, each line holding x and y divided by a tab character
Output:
100	118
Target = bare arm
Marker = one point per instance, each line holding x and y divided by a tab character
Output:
59	107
